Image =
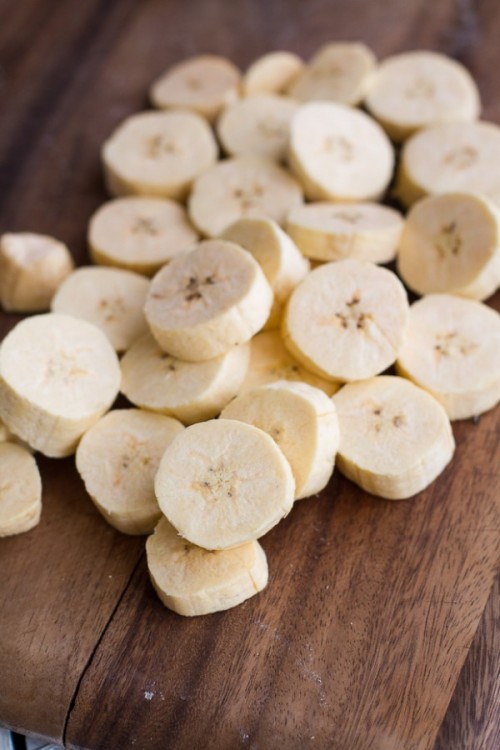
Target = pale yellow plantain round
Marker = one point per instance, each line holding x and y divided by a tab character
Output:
189	391
452	350
208	300
205	84
158	154
118	459
395	438
222	483
139	234
194	581
20	490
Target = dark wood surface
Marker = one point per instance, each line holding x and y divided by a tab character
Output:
363	637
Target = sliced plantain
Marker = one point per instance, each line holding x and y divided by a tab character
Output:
339	153
239	187
416	89
193	581
222	483
395	438
20	490
31	268
258	126
139	234
205	84
453	157
118	459
270	361
302	421
366	231
272	73
158	154
208	300
346	320
452	350
110	298
451	243
338	72
189	391
277	255
58	375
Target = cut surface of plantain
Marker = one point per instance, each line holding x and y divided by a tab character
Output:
110	298
208	300
338	72
158	154
282	262
257	126
189	391
452	350
118	459
193	581
31	268
243	186
421	88
222	483
339	153
366	231
205	84
395	438
139	234
302	421
451	243
453	157
272	73
20	490
346	320
58	375
270	361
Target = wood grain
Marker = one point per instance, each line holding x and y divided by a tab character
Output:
472	720
363	632
59	586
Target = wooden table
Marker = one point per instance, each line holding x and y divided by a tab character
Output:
377	630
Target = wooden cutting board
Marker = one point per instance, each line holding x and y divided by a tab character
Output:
360	638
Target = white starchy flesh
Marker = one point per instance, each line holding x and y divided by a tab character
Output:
205	84
208	300
346	320
451	243
189	391
395	438
270	361
6	436
118	459
454	157
417	89
243	186
222	483
58	375
257	126
278	256
31	268
272	73
20	490
193	581
326	231
452	349
110	298
338	72
158	154
139	234
302	421
339	153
